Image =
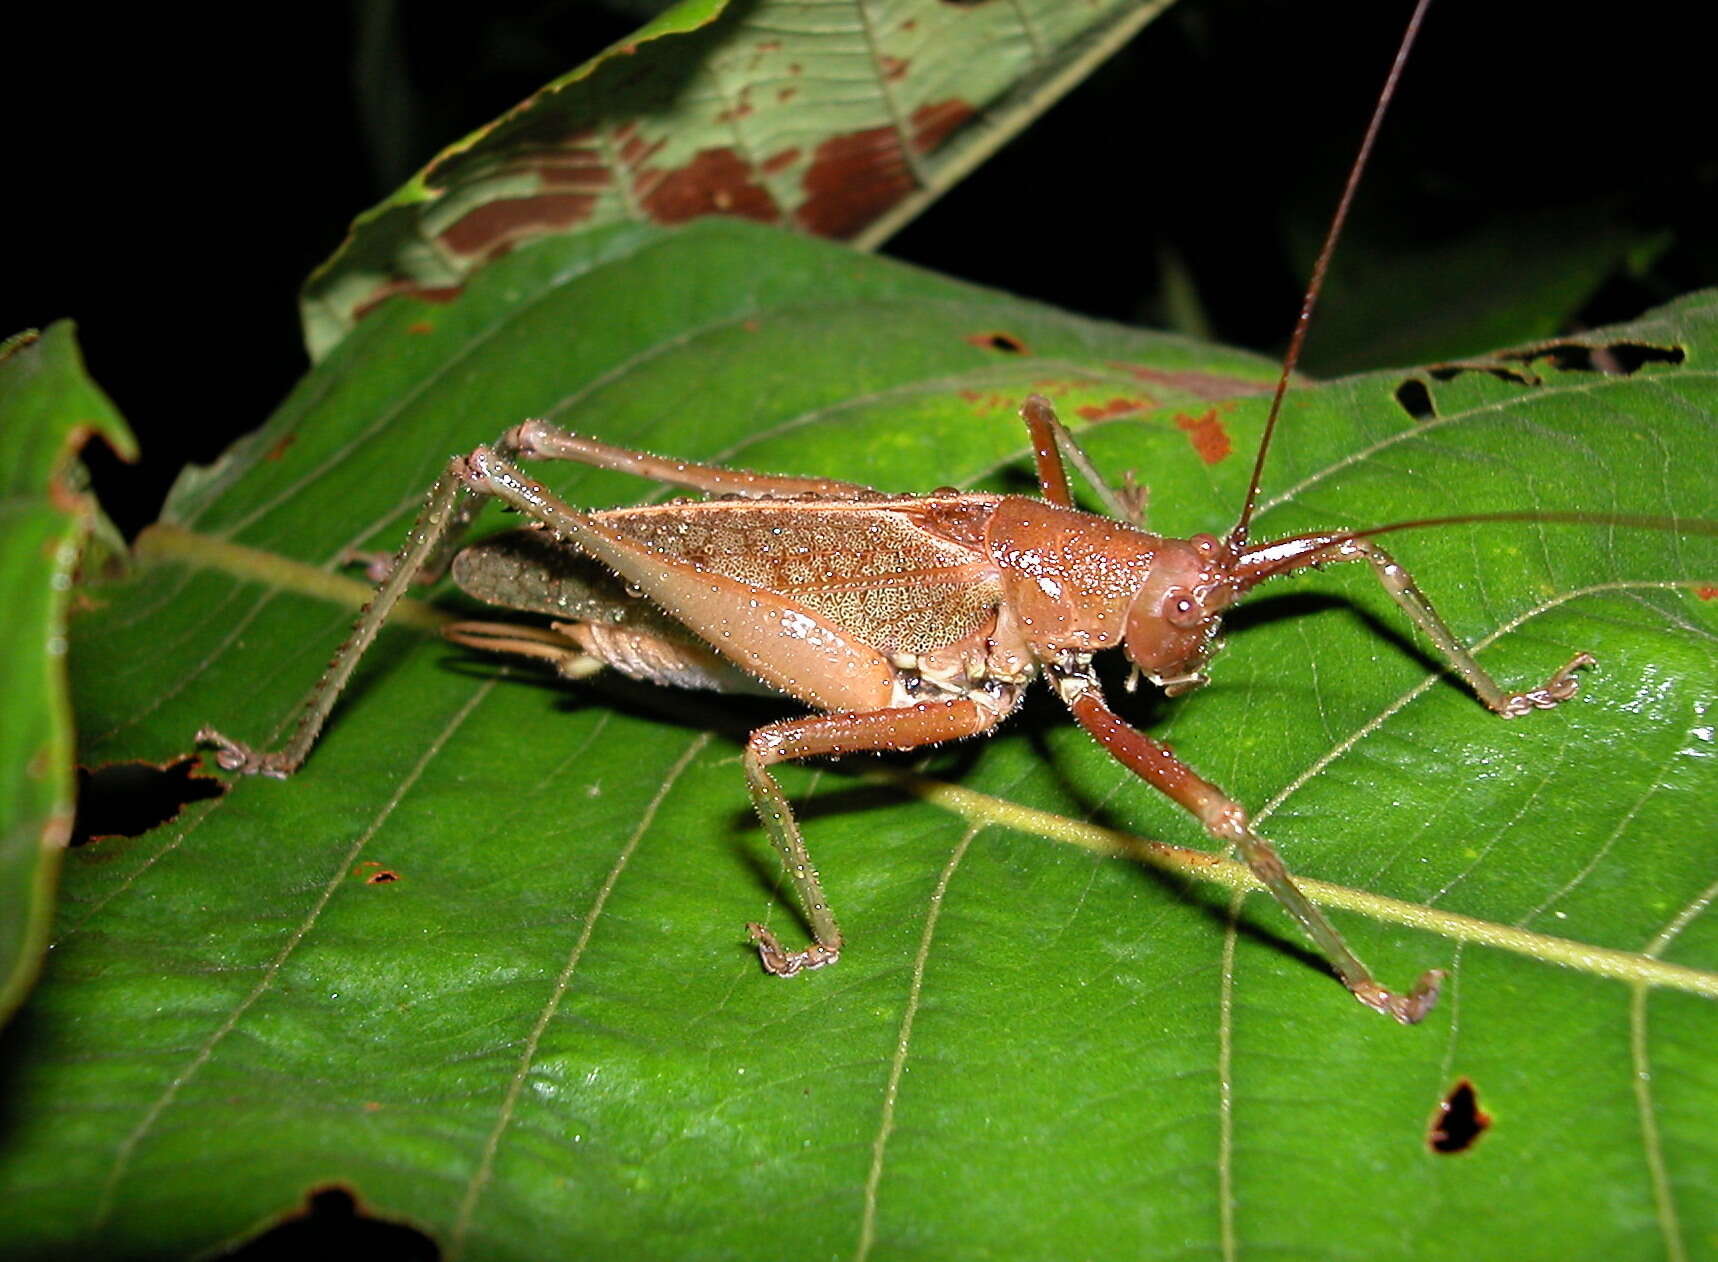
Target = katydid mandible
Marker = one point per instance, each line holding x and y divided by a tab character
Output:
904	620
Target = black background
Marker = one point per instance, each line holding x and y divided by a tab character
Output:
176	172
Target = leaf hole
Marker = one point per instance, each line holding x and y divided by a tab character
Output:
1615	359
1414	397
375	874
127	799
332	1223
1459	1121
997	340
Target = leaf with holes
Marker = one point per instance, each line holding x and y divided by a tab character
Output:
840	119
482	961
48	409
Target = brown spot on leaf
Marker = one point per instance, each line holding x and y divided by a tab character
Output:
996	340
1458	1122
985	403
374	873
634	149
715	182
411	289
65	499
575	169
1115	407
280	445
1706	593
1201	385
777	162
933	124
852	180
786	94
1207	435
493	228
894	68
741	108
420	327
40	764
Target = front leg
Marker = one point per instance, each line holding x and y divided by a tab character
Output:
1227	821
1405	592
1051	442
906	727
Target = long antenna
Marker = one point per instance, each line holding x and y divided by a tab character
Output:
1238	536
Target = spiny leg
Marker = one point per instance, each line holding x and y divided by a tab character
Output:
1405	592
446	511
453	501
902	728
907	727
1227	821
1051	441
539	440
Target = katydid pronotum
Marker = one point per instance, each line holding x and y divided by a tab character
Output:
904	620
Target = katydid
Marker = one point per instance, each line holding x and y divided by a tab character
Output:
903	620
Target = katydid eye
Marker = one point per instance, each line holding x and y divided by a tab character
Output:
1180	609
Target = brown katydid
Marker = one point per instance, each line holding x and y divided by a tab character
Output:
905	620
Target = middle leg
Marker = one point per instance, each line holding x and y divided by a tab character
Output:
903	728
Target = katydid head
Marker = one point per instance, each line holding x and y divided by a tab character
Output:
1172	624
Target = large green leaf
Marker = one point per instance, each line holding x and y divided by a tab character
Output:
842	118
48	409
482	959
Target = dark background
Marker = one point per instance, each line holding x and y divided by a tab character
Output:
173	181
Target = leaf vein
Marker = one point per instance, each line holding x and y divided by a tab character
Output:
563	982
128	1146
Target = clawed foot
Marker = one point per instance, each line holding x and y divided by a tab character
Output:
782	963
1410	1008
1560	687
233	755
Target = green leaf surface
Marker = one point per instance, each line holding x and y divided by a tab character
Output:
482	960
841	118
48	410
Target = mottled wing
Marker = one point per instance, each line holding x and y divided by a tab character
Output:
902	575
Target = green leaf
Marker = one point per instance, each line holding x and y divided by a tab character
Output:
482	960
843	120
48	410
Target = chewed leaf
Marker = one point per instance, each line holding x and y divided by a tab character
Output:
48	409
482	962
842	121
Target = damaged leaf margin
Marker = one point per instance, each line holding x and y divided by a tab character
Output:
843	125
49	523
